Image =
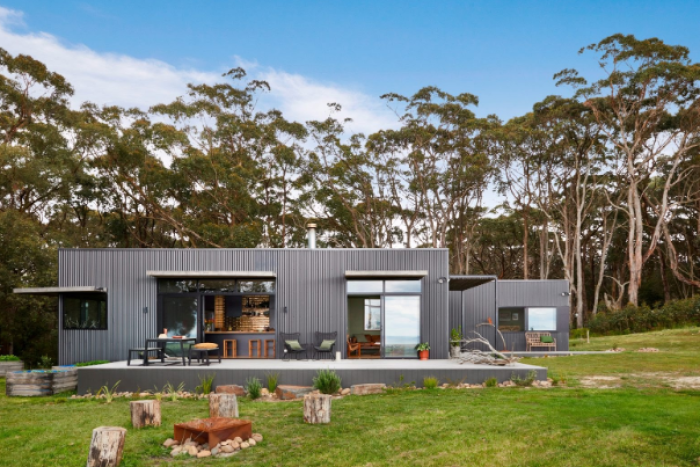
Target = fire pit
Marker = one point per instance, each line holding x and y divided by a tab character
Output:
213	430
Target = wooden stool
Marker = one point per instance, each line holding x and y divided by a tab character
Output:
230	348
266	348
258	348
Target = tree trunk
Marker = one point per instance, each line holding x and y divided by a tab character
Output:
106	447
223	405
317	408
145	413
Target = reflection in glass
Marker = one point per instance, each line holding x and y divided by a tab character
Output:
365	286
258	286
177	285
542	319
84	312
401	326
404	286
511	319
373	314
214	285
180	318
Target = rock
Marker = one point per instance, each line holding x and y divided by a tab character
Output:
245	445
214	451
236	446
257	437
288	393
204	453
192	450
226	454
345	391
170	442
265	392
231	389
251	442
364	389
238	439
176	451
205	446
227	448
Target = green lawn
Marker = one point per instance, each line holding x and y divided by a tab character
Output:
644	425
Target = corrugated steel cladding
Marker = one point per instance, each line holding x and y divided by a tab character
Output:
480	303
310	283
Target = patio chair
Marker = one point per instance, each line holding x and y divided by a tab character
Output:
202	352
292	345
354	347
324	343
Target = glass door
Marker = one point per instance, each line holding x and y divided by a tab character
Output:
401	329
179	314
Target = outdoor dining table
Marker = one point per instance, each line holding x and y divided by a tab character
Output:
166	341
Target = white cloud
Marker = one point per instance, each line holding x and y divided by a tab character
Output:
117	79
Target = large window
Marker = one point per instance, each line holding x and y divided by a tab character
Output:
402	325
81	312
542	319
384	286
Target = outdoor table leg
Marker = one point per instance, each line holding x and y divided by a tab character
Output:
182	352
145	354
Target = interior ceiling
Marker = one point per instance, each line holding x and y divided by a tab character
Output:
459	283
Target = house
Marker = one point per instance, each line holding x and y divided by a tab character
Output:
111	300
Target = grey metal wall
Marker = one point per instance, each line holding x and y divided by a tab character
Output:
310	283
472	307
478	304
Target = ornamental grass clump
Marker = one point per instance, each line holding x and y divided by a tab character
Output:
327	381
430	382
272	381
206	383
253	387
491	382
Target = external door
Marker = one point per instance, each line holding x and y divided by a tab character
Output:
401	326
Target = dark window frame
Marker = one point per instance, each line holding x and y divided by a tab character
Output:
100	298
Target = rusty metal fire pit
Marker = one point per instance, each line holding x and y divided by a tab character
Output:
213	430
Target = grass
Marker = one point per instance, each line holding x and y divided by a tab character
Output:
678	356
644	426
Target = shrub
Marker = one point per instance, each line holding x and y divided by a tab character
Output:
9	358
491	382
524	382
108	392
327	381
430	382
631	319
272	381
579	333
206	383
173	391
254	387
92	362
45	362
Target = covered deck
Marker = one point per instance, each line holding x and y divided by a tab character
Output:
297	372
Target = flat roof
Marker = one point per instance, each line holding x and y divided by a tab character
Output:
58	290
460	283
385	274
211	274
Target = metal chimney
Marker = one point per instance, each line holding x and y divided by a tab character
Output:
311	235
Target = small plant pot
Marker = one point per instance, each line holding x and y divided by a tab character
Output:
423	354
455	351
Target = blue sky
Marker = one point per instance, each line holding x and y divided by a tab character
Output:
503	51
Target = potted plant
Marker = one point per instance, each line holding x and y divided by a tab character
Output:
423	350
456	342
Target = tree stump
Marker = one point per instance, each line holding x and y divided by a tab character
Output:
223	405
145	413
317	408
106	447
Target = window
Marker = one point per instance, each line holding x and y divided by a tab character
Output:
542	319
373	314
403	286
84	312
365	286
511	319
215	285
177	285
257	286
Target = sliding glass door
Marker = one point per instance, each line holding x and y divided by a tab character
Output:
401	325
179	314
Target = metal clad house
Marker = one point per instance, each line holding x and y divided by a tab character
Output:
111	300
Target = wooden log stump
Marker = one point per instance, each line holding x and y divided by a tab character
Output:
317	408
223	405
106	447
145	413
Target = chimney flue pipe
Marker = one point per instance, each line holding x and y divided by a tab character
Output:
311	235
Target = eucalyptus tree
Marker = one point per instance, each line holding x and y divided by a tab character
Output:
648	108
346	189
445	148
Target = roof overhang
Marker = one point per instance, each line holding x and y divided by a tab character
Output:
58	290
460	283
385	274
211	274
